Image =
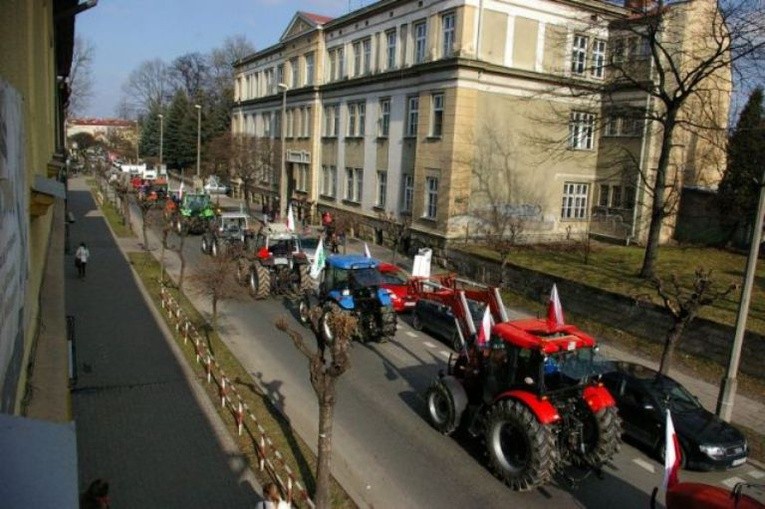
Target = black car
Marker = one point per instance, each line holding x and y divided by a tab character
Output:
438	318
643	396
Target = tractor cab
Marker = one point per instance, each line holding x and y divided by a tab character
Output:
346	276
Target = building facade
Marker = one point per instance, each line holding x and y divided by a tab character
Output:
452	112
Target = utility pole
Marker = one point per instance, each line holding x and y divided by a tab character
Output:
161	136
730	382
199	135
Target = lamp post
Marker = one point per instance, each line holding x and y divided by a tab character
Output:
283	181
199	135
730	382
161	135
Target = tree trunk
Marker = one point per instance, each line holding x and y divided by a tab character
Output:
214	312
673	336
143	231
182	257
326	410
657	204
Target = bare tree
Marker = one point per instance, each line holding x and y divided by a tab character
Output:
324	374
80	77
221	60
396	229
190	73
148	88
214	278
683	306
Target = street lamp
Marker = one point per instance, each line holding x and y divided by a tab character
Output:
730	382
161	135
199	135
283	179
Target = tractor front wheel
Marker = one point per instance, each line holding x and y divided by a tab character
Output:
326	328
442	410
521	450
601	437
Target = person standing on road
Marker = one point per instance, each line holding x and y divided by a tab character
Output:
272	498
81	259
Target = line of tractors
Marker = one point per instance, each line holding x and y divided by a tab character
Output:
527	390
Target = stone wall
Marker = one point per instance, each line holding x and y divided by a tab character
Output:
704	338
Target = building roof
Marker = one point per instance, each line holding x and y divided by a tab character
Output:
317	19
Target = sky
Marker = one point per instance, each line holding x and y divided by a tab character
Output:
125	33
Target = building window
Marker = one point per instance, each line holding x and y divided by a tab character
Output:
420	41
437	115
412	115
267	125
390	50
295	72
598	58
356	119
353	184
308	69
616	125
408	193
431	197
574	201
616	196
382	188
357	58
270	85
580	129
302	178
384	120
278	123
366	45
603	198
306	123
579	54
288	125
336	63
447	25
280	74
331	120
329	181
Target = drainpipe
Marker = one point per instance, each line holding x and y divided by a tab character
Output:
643	147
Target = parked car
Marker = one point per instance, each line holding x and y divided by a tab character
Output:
396	280
213	185
438	319
643	396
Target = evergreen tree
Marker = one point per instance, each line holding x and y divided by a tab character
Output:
739	188
149	142
181	132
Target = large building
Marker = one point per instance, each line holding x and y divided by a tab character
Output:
446	111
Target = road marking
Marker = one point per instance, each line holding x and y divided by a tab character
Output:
429	344
644	464
732	481
756	474
411	334
446	354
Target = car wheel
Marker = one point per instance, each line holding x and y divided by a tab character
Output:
416	321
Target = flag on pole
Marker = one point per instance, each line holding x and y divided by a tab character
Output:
366	251
319	260
290	218
180	191
485	330
672	455
554	310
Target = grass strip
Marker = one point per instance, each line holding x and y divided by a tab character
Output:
110	212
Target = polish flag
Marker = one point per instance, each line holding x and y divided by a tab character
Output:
554	310
485	330
290	218
672	456
366	251
180	191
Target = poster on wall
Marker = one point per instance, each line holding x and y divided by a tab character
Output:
13	243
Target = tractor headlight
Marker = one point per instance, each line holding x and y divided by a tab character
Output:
713	451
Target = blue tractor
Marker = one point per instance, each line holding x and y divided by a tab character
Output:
352	284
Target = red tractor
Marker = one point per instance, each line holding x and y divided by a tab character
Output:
528	389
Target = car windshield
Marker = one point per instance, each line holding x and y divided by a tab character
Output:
394	277
669	391
197	202
309	242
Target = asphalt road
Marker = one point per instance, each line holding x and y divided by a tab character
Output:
385	453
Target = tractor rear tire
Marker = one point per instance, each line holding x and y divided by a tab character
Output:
305	278
521	451
601	436
242	271
442	409
260	282
326	329
387	324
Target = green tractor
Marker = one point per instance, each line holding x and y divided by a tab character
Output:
195	211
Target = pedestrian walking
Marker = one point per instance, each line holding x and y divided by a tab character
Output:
272	499
96	496
81	259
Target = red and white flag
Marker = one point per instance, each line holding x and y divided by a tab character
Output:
367	253
672	455
180	191
554	310
290	218
485	330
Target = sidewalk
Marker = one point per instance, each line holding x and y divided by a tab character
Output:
142	421
746	411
